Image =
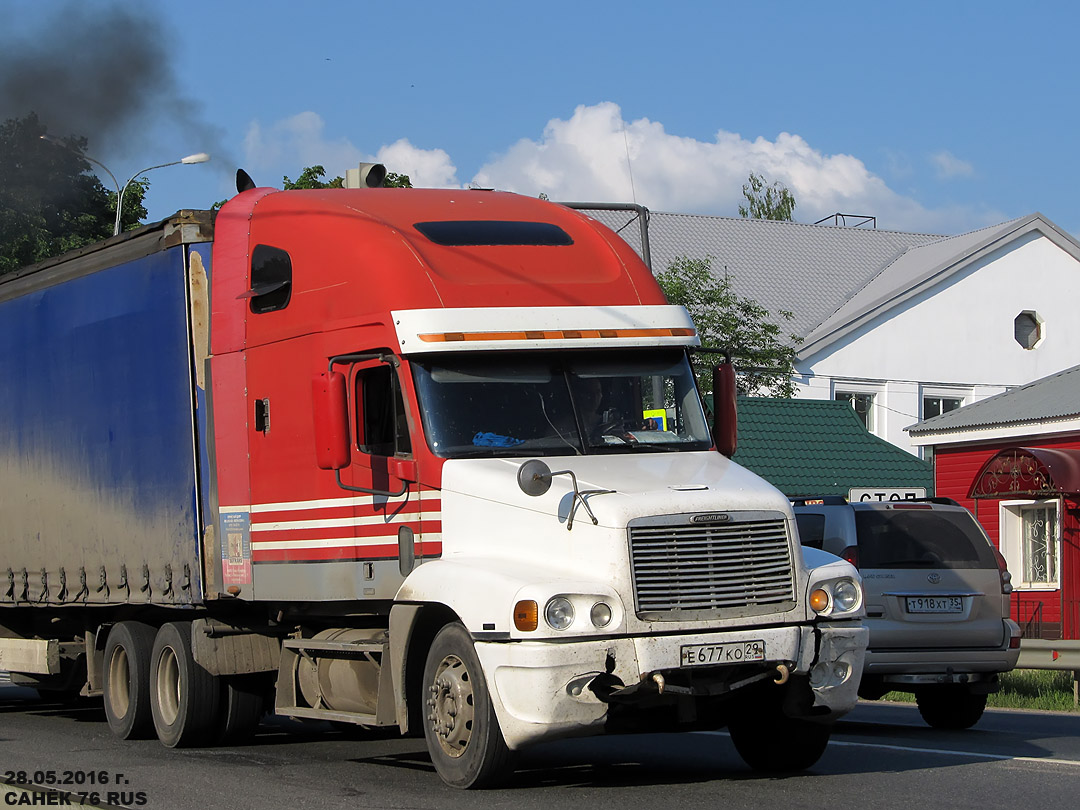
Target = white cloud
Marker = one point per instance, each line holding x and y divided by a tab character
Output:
427	168
288	146
586	158
949	165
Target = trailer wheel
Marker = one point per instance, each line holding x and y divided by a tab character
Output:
951	707
769	740
184	697
463	736
126	681
241	709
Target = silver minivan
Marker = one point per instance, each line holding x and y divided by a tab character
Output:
937	600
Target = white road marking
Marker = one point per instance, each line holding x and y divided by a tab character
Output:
916	750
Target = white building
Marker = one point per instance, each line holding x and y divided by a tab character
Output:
905	326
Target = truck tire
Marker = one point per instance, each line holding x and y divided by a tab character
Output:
184	697
241	709
126	680
463	736
769	740
949	707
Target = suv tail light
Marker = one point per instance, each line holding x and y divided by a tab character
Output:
851	554
1003	572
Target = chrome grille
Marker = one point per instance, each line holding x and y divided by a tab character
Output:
680	570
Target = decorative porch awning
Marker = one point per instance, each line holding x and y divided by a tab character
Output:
1035	471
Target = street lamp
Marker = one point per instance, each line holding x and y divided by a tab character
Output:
200	157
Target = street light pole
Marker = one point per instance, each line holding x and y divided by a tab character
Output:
200	157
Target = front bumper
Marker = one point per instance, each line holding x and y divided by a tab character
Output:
540	689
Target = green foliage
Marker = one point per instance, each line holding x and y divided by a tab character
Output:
1049	690
765	201
764	356
49	202
311	177
134	211
397	181
1029	689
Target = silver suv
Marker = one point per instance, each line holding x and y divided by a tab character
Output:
937	600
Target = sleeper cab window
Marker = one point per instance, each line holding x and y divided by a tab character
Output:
271	279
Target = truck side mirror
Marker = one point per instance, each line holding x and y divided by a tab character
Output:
725	421
330	406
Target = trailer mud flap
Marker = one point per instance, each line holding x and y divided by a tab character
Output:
224	650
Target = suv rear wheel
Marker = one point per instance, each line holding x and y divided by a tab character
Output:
952	707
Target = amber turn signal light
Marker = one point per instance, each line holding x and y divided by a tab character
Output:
526	615
819	600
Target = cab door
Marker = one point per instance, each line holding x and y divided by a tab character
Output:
383	472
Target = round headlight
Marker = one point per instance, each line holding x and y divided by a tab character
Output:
559	613
600	614
846	594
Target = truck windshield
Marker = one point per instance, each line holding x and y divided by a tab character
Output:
557	404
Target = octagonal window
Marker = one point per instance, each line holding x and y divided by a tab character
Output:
1028	329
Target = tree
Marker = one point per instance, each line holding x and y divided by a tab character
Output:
49	202
397	181
764	356
765	201
311	177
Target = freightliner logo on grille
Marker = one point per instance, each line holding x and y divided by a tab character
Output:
711	517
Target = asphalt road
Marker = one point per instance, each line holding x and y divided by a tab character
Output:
881	756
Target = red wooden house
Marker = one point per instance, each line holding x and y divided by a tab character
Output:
1014	460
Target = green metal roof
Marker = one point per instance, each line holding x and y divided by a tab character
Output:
819	447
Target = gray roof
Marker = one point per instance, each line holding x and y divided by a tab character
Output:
808	270
831	279
1047	399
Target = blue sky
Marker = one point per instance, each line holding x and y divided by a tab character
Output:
936	117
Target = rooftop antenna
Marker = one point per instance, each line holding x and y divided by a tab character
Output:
629	168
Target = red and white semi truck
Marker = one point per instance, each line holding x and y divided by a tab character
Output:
395	457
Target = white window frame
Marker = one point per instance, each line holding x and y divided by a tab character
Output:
936	393
1040	325
877	424
1011	540
965	396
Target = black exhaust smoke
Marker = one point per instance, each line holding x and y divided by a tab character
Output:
104	72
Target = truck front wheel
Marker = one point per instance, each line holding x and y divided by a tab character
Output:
462	732
769	740
126	682
184	697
